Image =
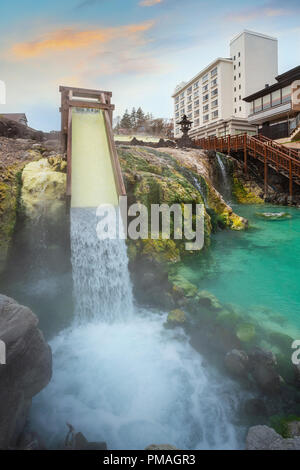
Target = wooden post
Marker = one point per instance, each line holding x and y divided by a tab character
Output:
245	154
266	172
290	178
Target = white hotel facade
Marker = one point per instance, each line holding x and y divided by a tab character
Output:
213	99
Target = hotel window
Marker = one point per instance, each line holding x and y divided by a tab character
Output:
214	92
204	88
190	115
276	97
177	99
286	94
240	108
235	99
214	103
205	118
177	115
182	104
196	123
234	67
235	110
182	95
176	107
239	64
189	98
196	94
235	88
239	54
205	78
182	112
205	108
234	78
196	103
196	85
267	102
189	107
196	113
205	97
240	87
240	98
215	114
234	57
189	90
214	72
214	82
239	75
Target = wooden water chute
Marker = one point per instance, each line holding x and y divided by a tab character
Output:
96	99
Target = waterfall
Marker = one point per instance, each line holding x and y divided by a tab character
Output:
102	288
225	186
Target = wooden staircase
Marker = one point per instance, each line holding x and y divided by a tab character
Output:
281	159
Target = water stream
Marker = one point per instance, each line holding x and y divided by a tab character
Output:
120	375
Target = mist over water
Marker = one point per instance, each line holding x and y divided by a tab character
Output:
119	375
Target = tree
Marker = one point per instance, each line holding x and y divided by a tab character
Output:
140	118
133	118
126	120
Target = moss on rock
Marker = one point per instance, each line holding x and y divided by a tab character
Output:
243	193
176	317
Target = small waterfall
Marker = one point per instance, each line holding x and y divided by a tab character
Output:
225	186
198	183
102	288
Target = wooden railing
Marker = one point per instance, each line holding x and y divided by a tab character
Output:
273	156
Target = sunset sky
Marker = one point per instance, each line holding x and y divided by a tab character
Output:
138	49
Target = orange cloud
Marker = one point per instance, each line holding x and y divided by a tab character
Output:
149	3
67	39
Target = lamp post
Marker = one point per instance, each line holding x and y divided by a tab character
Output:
185	126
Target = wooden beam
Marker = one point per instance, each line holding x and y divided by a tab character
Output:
265	172
115	159
69	154
290	178
245	155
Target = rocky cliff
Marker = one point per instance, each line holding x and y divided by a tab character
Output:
27	370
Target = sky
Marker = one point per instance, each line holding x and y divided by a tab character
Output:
138	49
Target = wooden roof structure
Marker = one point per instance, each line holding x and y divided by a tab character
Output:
86	98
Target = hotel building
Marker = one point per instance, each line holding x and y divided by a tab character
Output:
213	99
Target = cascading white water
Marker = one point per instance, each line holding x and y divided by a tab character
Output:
102	289
123	378
225	185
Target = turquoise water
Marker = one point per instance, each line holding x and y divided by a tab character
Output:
257	270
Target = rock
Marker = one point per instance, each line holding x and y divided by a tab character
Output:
297	374
206	299
237	362
265	438
245	332
263	369
44	189
81	443
293	428
161	447
176	318
273	215
27	371
255	407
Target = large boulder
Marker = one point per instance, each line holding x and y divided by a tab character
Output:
44	187
27	370
265	438
237	363
263	369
